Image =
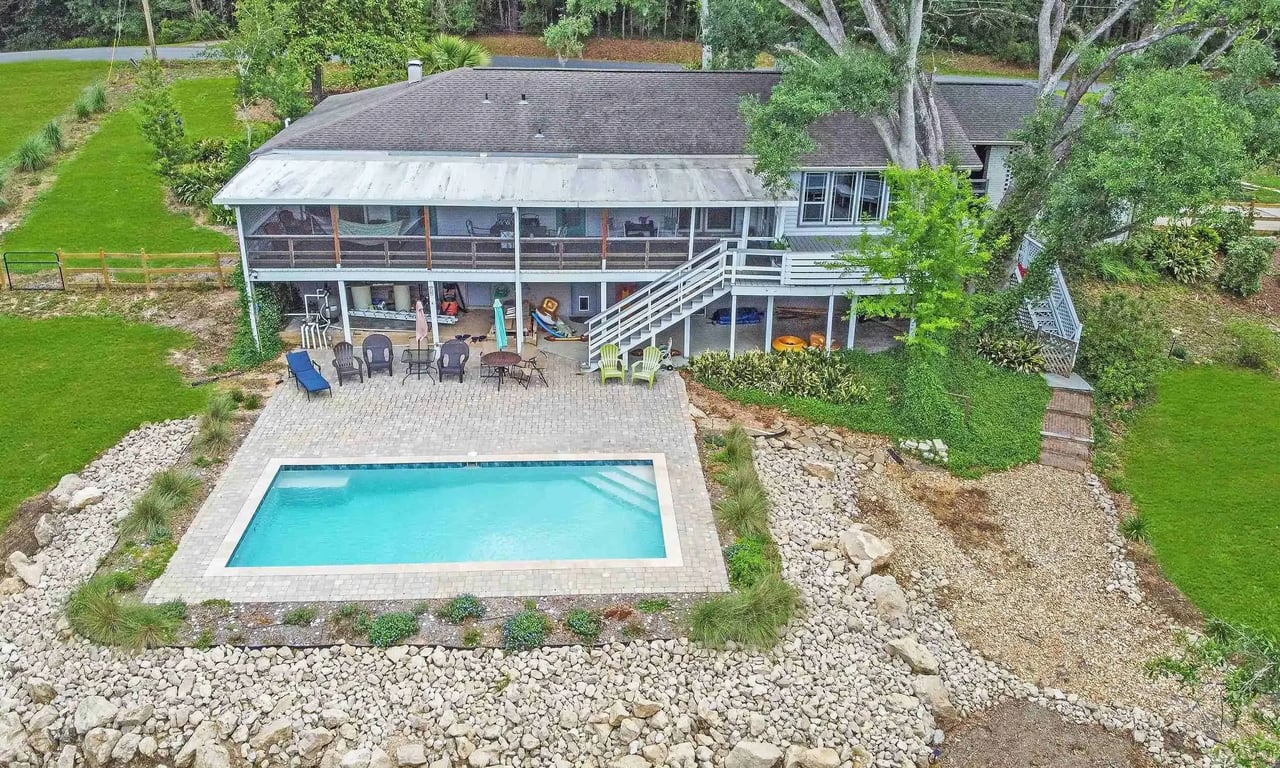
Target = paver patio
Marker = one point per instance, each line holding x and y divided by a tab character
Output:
383	419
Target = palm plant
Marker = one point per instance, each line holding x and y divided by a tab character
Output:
446	52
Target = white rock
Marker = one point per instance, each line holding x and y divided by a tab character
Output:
84	497
13	740
67	757
312	741
930	690
819	757
30	571
147	746
356	758
98	744
40	690
212	756
11	585
920	659
378	758
859	545
43	531
67	487
753	754
479	759
94	712
629	761
411	754
333	718
126	748
888	599
820	469
271	734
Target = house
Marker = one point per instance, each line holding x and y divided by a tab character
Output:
625	196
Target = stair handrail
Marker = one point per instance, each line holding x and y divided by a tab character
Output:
623	318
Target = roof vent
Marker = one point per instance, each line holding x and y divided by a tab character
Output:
538	135
486	99
523	100
415	70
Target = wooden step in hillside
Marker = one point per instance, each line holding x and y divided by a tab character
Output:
1066	436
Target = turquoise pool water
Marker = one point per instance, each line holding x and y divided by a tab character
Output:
382	514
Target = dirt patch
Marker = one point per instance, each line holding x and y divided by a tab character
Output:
1017	734
1159	591
713	403
19	534
962	509
1034	599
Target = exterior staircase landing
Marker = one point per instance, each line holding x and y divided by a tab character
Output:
1066	436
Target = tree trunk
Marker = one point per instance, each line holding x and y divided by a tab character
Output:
317	83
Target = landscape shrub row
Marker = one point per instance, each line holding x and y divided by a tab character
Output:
37	151
806	373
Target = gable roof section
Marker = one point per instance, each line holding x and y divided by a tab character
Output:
577	112
988	112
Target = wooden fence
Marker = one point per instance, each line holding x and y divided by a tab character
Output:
148	271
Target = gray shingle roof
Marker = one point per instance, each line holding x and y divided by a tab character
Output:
572	111
989	112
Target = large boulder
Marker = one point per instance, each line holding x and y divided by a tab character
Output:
820	469
93	712
43	531
887	599
930	690
67	487
753	754
13	741
84	497
273	733
819	757
207	733
30	571
212	756
311	743
920	659
860	545
98	745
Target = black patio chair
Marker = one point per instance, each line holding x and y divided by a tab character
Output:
378	355
346	362
453	359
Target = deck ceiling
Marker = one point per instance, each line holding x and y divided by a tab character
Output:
297	178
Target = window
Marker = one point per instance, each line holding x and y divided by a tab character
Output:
813	199
871	199
841	197
717	219
584	304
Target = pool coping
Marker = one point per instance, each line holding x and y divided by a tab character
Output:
666	513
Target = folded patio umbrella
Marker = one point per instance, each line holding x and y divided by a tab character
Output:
420	330
499	326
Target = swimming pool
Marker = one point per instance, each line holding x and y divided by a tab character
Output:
449	514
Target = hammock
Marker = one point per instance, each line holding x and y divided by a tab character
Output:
356	229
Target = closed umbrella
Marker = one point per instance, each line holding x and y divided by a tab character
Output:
420	331
499	326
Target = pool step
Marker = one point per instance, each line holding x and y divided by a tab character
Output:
620	493
637	484
326	480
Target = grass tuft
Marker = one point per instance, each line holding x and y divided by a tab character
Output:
215	437
150	514
183	485
746	511
300	617
1134	528
97	614
33	154
753	617
52	135
653	605
222	406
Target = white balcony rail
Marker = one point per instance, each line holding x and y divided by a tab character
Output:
1052	318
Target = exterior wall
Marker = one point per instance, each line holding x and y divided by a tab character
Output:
999	176
790	213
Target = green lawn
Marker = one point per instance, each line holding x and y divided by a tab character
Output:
1003	430
35	92
73	387
109	196
1204	471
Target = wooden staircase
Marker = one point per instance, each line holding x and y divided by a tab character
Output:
1066	436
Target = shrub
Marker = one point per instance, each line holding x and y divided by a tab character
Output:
150	513
1118	263
33	154
390	628
1247	260
52	135
752	617
461	608
1017	353
1256	347
96	613
1134	528
1123	348
300	617
221	406
183	486
1185	253
653	605
746	512
928	409
526	630
1228	224
809	373
252	401
215	436
748	561
583	623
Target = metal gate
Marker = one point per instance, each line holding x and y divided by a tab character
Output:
32	272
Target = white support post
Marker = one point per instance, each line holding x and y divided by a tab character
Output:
746	223
342	304
768	324
519	324
604	296
831	316
435	321
777	222
733	325
693	221
853	321
688	337
248	284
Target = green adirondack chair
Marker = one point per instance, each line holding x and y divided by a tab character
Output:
611	364
646	368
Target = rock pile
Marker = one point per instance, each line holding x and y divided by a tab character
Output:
1124	574
929	450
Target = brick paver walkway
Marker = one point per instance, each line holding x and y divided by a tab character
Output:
383	419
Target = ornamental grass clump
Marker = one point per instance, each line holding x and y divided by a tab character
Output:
462	608
52	135
753	616
92	99
96	613
179	483
150	515
745	511
33	154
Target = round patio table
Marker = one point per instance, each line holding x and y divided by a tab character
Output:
500	362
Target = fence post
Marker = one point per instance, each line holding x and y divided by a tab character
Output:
106	273
146	273
217	263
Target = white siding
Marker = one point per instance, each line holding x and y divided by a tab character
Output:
790	212
999	176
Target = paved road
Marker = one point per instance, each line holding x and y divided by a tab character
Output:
198	50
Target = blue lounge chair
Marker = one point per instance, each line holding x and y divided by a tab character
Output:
306	373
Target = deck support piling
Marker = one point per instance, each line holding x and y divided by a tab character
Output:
519	308
853	321
693	217
733	325
688	337
435	321
244	272
831	316
342	304
768	323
